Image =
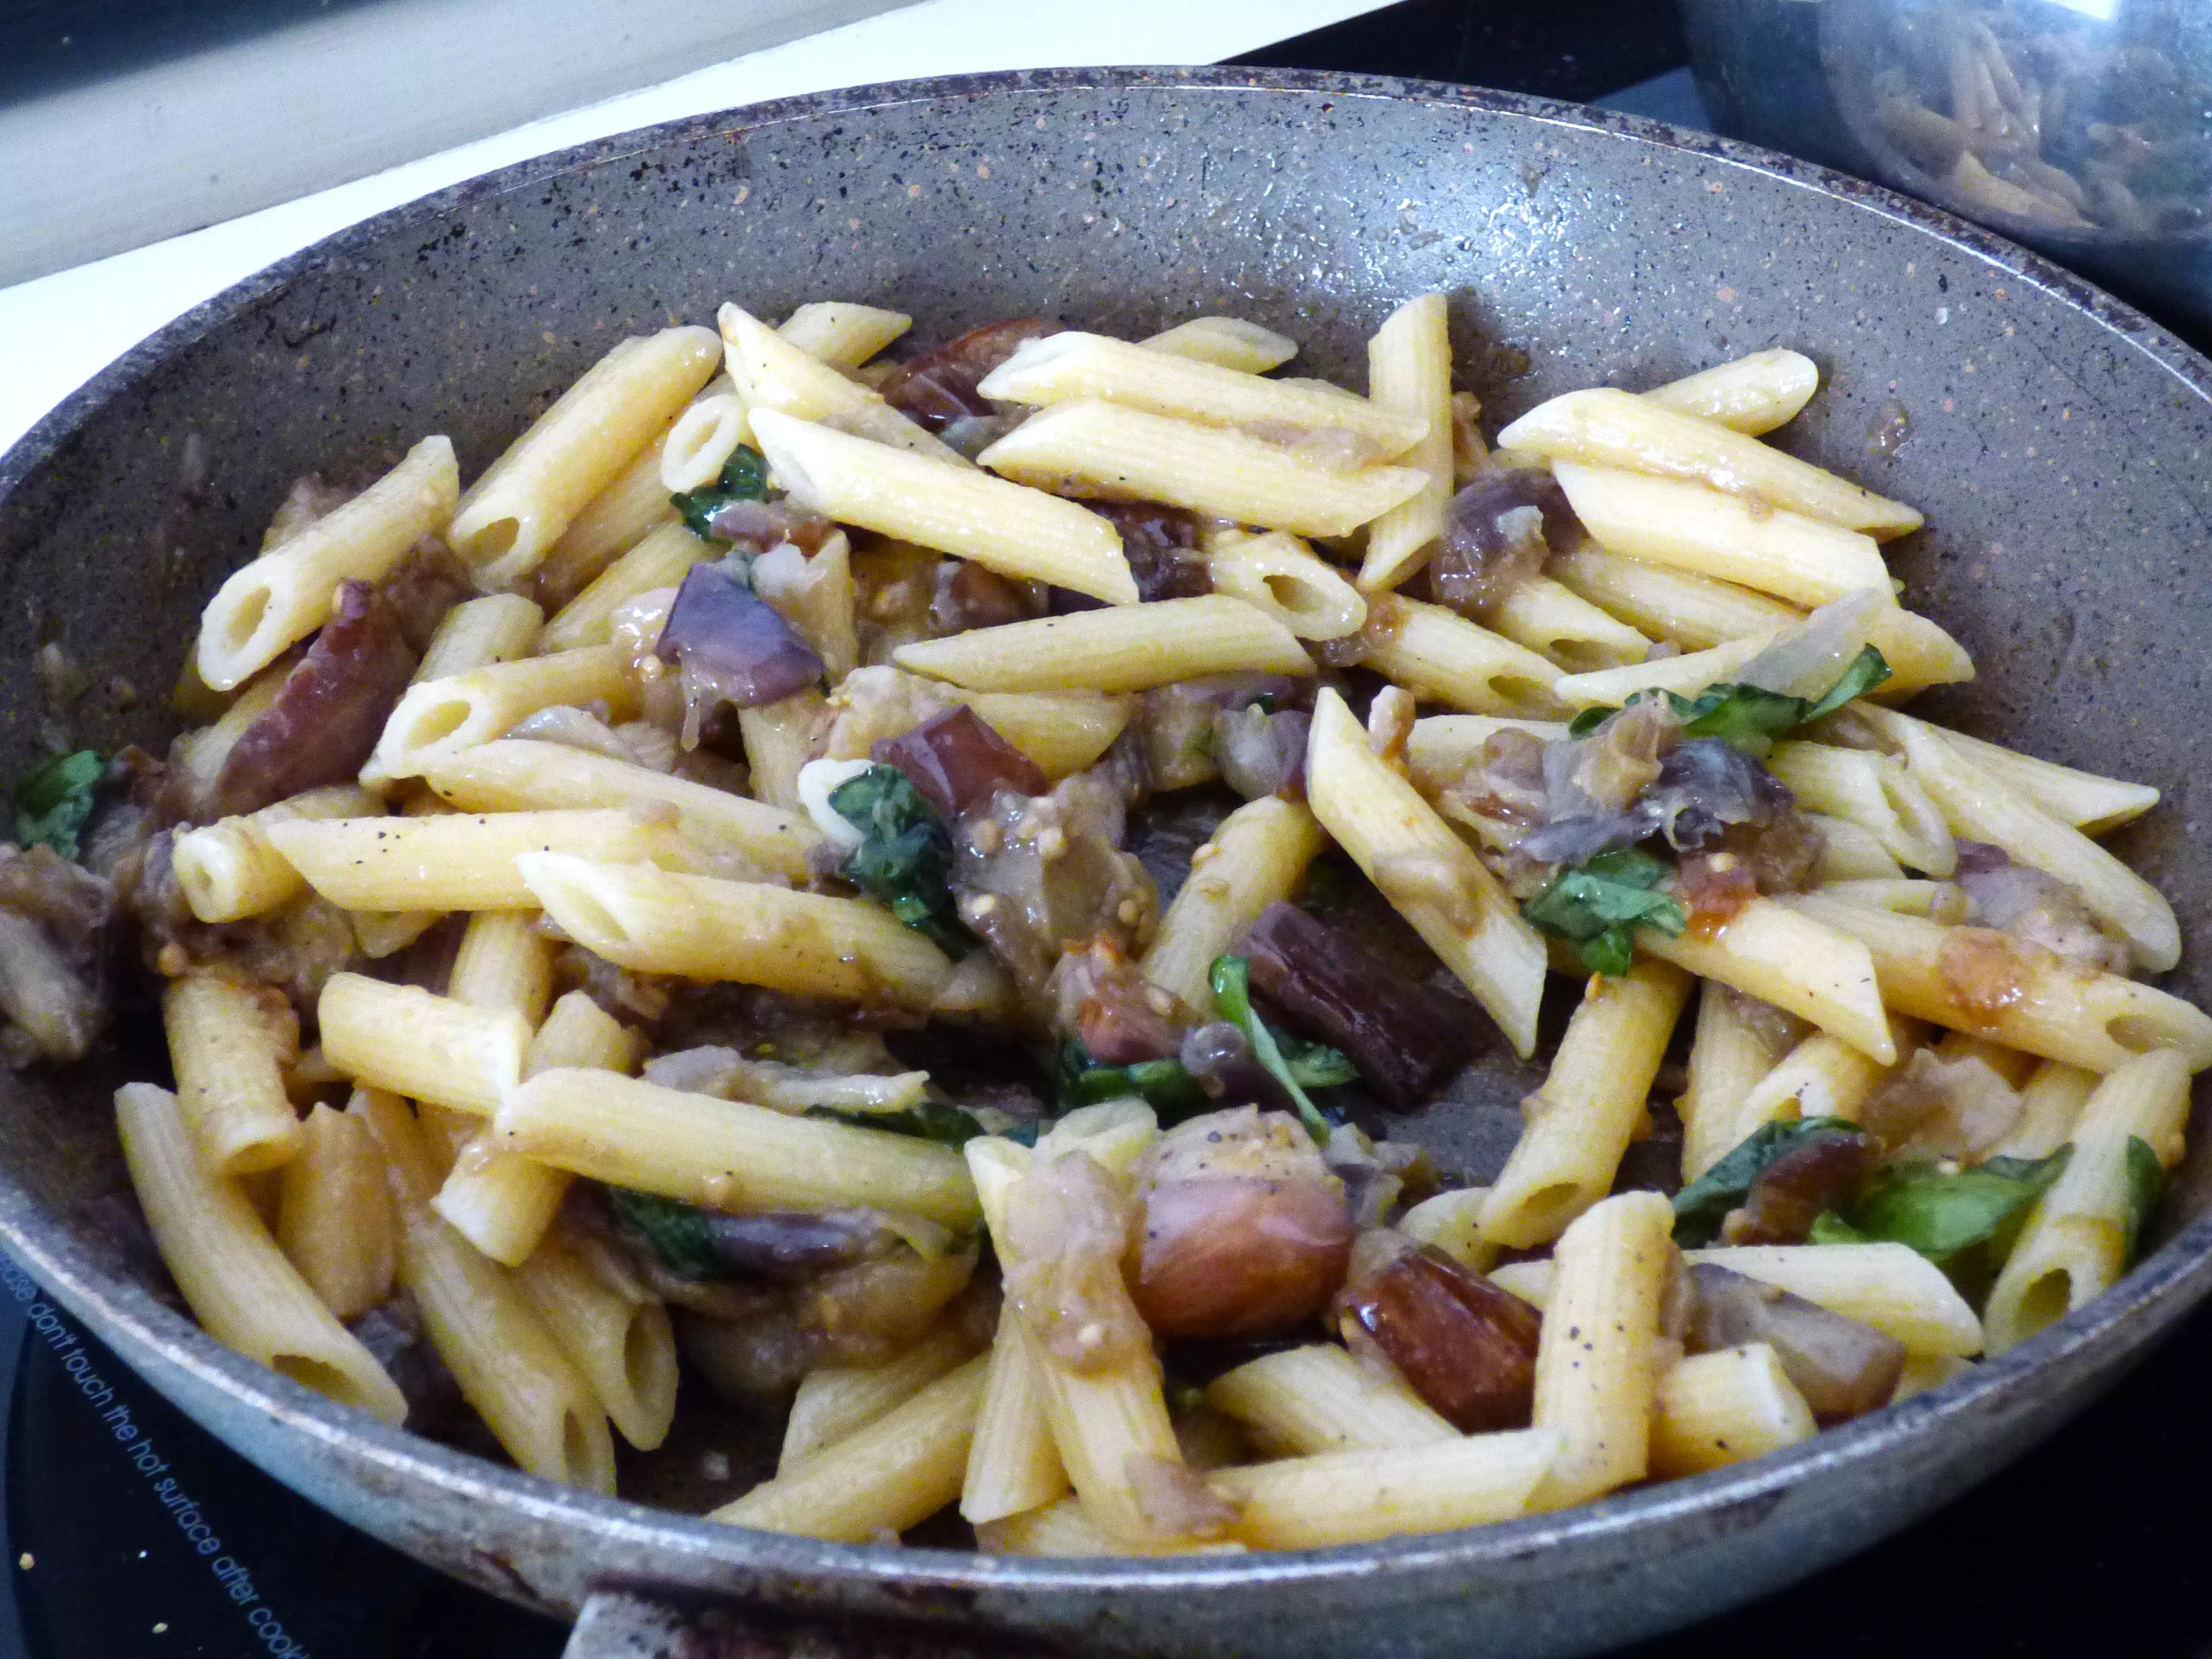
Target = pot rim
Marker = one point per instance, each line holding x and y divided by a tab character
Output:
2157	1291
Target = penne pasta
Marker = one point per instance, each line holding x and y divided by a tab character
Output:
1731	1052
618	1338
2077	1242
403	1039
517	774
477	633
1566	630
1595	1378
1679	606
502	1202
1021	533
227	1046
1089	445
1352	1497
836	1402
509	1368
237	1283
2093	804
1070	365
774	377
841	332
334	1217
1277	574
727	1154
900	1469
657	921
1428	875
2051	1102
1752	394
613	522
1604	426
457	860
1257	856
659	560
1891	1287
1976	804
438	719
1821	1077
230	870
1978	980
1798	959
287	593
1577	1124
511	517
1013	1464
1300	1402
1683	524
700	443
1226	341
1438	654
1875	792
1409	372
1103	1421
1715	1409
1128	649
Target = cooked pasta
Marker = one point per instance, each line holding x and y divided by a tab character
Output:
907	877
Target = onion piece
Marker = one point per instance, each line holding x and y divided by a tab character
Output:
1842	1367
1810	658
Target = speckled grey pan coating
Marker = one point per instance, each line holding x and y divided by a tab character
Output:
2056	448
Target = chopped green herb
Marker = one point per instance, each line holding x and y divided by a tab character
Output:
52	803
677	1233
2146	1179
1748	716
1701	1206
1944	1215
1231	978
1172	1092
1598	906
931	1120
1829	1228
905	856
744	478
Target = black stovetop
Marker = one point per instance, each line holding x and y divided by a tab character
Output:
133	1532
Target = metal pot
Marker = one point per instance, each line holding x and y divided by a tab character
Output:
2055	444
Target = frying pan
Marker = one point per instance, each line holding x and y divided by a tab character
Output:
2055	446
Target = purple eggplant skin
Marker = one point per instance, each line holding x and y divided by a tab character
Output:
729	639
1404	1037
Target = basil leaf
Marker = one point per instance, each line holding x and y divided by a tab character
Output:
1867	670
904	859
1598	906
1829	1228
53	802
2145	1184
1172	1092
1231	978
1942	1215
931	1120
1316	1067
678	1234
1701	1206
1750	716
744	478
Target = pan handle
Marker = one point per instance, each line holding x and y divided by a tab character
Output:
652	1623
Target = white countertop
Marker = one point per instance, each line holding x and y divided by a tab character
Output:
58	331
